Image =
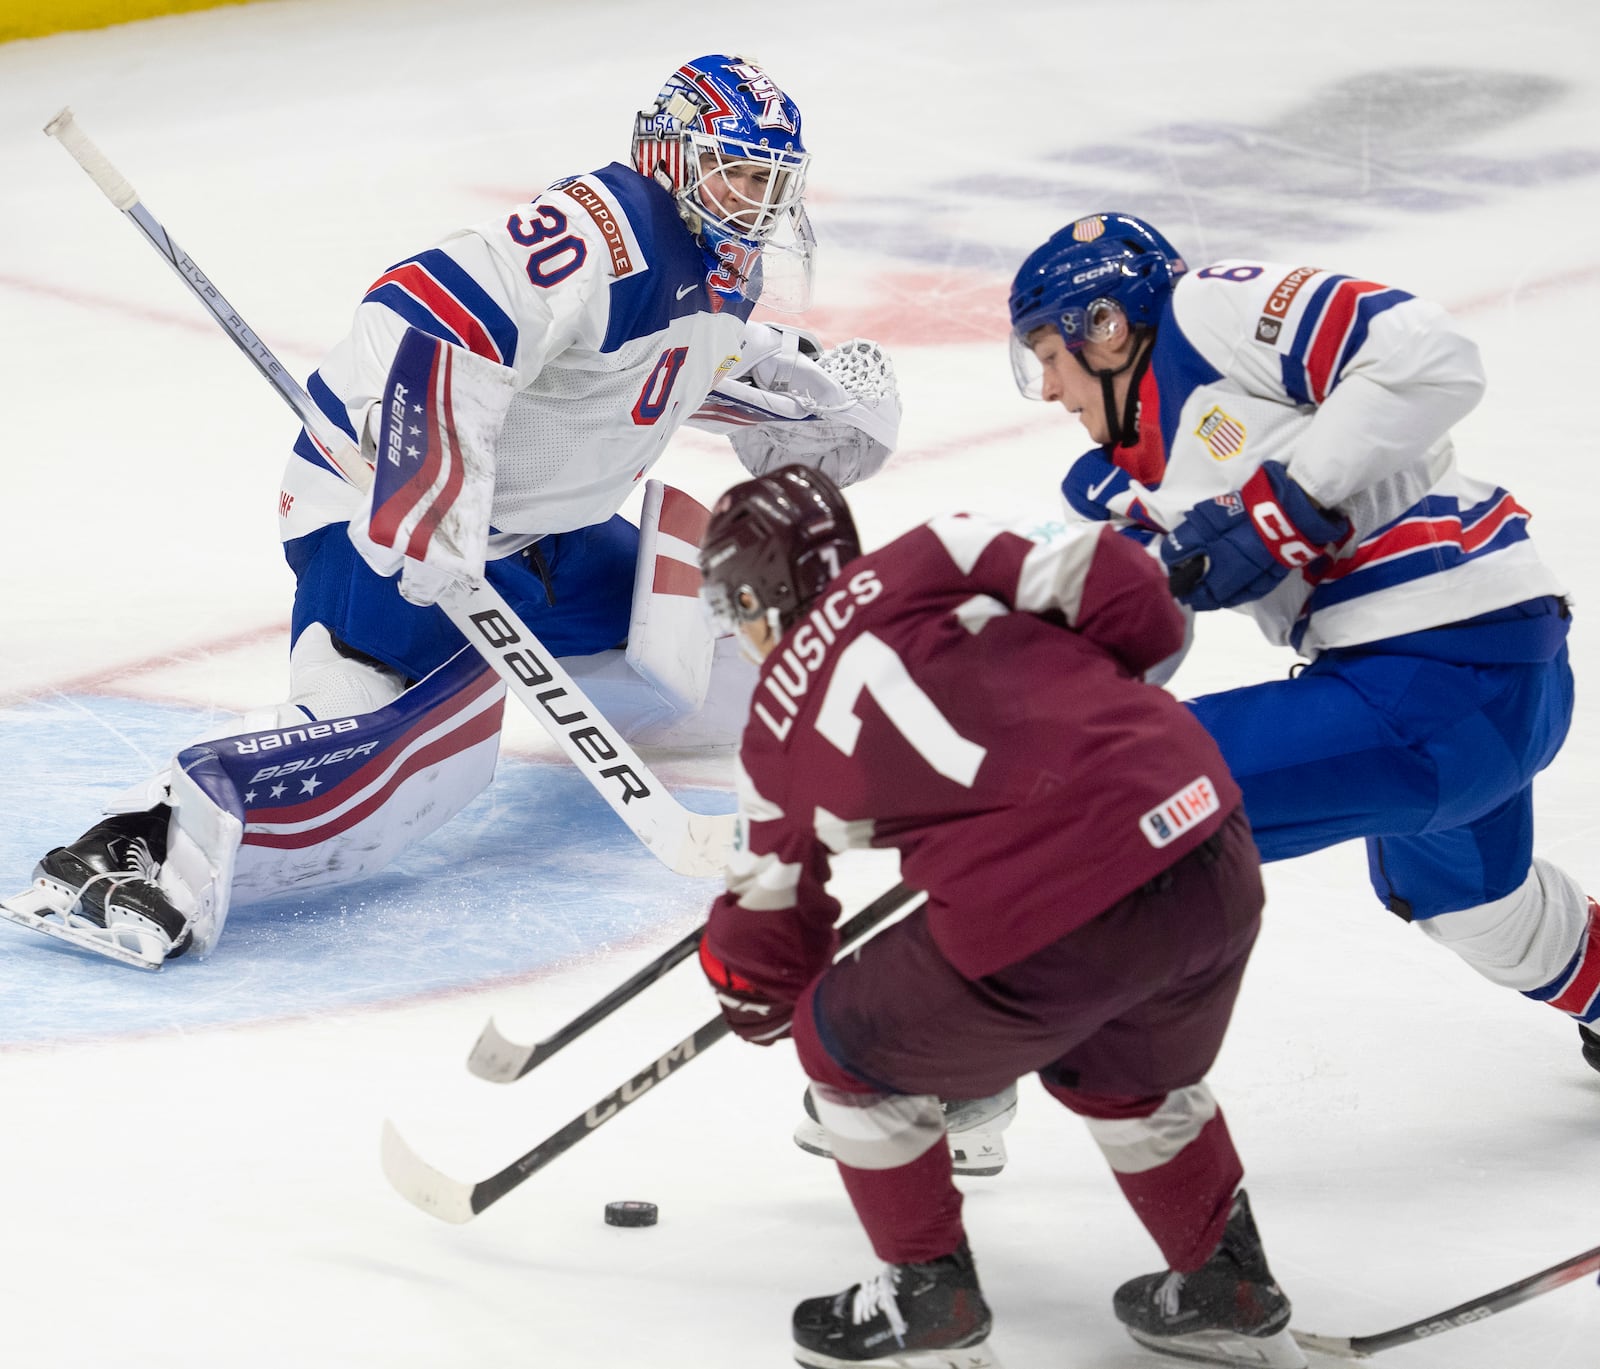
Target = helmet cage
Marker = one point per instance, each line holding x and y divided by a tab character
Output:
717	172
717	114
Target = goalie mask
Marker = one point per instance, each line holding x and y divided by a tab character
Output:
724	141
772	546
1083	281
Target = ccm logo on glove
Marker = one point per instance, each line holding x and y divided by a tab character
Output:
1285	541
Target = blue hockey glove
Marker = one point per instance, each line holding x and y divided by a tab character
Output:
1237	547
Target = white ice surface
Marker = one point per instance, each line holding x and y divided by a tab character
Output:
188	1162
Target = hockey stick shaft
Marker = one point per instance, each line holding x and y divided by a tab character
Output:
1463	1314
686	842
504	1062
437	1194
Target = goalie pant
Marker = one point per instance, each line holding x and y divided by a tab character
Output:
328	788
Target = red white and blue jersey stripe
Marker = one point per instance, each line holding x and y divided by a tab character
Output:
1333	329
1354	386
434	293
594	296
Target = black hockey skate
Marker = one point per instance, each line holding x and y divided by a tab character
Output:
1230	1310
109	873
911	1316
1591	1044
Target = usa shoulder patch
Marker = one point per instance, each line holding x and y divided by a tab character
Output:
1222	434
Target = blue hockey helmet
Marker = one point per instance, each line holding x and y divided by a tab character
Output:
1082	278
724	141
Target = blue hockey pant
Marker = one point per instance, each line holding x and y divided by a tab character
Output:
1431	763
575	592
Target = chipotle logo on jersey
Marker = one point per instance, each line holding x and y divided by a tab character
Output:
1270	325
606	222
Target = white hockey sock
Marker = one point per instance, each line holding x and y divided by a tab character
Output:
1524	940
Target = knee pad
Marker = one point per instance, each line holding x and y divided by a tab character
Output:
1521	941
326	683
1132	1143
878	1130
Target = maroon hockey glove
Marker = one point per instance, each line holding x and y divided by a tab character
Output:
752	1014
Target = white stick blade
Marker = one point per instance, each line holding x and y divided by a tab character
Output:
495	1058
705	848
1338	1347
420	1184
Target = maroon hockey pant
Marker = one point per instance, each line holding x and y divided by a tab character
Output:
1114	1016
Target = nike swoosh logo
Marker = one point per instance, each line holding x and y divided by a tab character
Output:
1095	491
686	289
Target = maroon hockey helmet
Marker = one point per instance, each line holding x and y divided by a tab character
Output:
772	544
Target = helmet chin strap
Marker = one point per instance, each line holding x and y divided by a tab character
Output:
1123	428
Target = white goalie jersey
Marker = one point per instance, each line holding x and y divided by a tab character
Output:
594	296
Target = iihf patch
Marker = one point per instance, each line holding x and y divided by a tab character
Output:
1168	821
1087	230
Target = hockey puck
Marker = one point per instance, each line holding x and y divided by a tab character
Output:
630	1213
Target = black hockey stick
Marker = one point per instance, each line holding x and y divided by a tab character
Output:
450	1200
1464	1314
502	1061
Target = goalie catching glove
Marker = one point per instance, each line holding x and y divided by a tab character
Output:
788	401
1238	547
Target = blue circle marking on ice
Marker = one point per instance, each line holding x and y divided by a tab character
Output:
537	870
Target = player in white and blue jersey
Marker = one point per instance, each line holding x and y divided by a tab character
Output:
1281	434
580	330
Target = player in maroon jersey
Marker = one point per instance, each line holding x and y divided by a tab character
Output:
976	700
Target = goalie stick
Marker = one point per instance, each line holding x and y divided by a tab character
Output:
686	842
450	1200
502	1061
1464	1314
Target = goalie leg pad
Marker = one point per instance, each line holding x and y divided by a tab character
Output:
670	633
637	709
324	803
